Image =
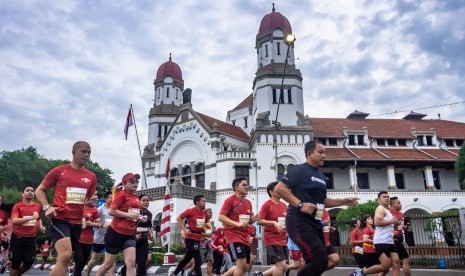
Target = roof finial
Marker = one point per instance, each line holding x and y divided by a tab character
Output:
170	56
272	8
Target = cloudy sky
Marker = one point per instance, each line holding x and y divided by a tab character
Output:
70	69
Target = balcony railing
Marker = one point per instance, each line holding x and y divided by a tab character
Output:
180	191
236	155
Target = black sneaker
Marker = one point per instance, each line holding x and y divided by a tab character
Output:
3	269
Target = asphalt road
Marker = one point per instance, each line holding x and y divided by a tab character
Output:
337	271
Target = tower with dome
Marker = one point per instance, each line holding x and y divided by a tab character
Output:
412	157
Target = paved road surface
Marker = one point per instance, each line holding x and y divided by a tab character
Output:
155	270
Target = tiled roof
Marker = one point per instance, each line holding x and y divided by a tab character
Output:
246	102
224	127
387	128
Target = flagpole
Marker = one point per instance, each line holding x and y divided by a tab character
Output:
138	143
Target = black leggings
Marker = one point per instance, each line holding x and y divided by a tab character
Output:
81	256
22	251
192	251
309	237
142	252
217	262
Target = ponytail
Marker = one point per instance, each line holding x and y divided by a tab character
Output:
116	189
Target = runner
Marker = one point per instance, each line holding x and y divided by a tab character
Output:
236	214
120	235
45	253
196	218
206	251
218	246
99	235
396	206
356	241
333	257
369	252
143	235
383	240
26	219
90	219
74	186
304	187
272	217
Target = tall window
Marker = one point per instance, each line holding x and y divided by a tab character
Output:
266	50
351	140
278	45
281	96
159	131
400	184
329	180
275	97
280	171
362	179
242	171
166	130
167	92
173	173
437	182
186	175
360	140
245	122
200	175
289	96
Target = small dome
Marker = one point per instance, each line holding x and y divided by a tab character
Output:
169	69
272	21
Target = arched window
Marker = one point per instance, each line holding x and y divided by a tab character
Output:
200	175
280	171
173	173
186	175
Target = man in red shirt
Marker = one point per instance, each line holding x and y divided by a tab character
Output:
196	218
273	218
26	219
236	214
74	186
90	219
396	206
45	253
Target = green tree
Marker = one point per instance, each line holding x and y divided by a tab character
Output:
460	167
27	166
356	212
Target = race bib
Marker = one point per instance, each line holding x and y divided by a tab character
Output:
358	249
319	211
75	195
400	227
244	218
142	229
251	240
282	221
200	223
32	222
133	211
326	228
45	249
108	220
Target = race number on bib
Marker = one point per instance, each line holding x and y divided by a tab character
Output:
75	195
200	223
133	211
358	249
319	211
282	221
31	222
244	218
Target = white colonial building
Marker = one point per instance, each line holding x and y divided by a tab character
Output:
412	158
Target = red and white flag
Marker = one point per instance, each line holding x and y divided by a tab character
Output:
129	123
166	215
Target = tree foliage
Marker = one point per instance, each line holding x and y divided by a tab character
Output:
460	167
27	166
356	212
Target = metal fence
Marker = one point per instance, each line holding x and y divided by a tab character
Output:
435	241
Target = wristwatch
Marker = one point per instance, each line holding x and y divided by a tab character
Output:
300	205
45	208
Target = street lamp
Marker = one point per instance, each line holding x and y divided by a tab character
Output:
289	39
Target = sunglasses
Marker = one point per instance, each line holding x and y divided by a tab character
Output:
134	181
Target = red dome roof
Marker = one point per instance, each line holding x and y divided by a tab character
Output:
169	69
272	21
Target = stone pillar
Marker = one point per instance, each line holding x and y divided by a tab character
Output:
391	176
429	178
353	176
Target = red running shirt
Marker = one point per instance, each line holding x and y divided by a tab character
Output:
72	188
274	212
356	235
125	202
90	214
398	229
236	208
326	227
196	220
22	210
45	250
251	233
369	247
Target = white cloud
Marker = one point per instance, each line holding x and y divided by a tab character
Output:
70	69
